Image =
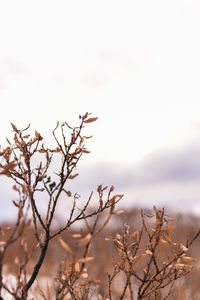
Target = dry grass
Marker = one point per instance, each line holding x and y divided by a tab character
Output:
103	255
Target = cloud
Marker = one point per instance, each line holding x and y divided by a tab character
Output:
178	165
166	177
163	167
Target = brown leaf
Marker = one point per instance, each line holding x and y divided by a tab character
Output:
182	266
65	246
112	188
119	212
99	189
148	252
73	176
69	193
84	275
7	169
187	259
86	259
20	211
15	188
135	235
83	150
114	198
168	229
83	242
77	267
38	136
42	151
76	235
183	248
14	127
90	120
2	243
26	136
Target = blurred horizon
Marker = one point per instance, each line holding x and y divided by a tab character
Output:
135	66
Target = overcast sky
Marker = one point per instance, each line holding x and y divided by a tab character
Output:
134	64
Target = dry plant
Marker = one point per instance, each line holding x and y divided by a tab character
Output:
149	262
142	270
20	163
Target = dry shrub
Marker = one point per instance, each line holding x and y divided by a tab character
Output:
141	264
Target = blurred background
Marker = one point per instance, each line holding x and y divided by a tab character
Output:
133	64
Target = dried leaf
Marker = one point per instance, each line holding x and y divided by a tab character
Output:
167	240
15	188
83	150
120	252
77	267
83	242
119	243
38	136
65	246
182	266
187	259
8	168
168	229
113	199
76	235
73	176
14	127
99	189
69	193
163	241
158	212
42	151
84	275
86	259
135	235
26	136
20	211
90	120
118	236
112	188
148	252
16	261
183	248
136	258
119	212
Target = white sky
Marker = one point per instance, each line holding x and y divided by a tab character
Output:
134	64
